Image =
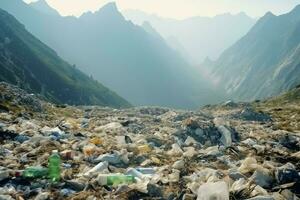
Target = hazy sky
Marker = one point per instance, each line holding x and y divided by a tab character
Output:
179	8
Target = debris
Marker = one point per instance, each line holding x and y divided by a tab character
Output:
217	152
218	191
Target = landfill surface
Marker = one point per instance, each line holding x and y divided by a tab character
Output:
227	151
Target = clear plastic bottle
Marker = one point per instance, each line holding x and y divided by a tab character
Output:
54	166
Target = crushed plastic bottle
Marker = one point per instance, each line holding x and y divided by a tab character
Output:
54	166
35	172
115	179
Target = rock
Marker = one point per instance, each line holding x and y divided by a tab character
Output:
287	174
250	114
154	190
289	141
263	178
201	131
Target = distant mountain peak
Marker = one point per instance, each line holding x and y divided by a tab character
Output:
269	14
242	14
109	9
43	6
112	6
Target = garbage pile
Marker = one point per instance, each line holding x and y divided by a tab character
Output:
65	152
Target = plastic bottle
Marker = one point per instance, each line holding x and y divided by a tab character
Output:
54	166
147	170
35	172
115	179
100	167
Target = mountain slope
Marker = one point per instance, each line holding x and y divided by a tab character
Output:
27	62
284	109
201	37
136	64
266	61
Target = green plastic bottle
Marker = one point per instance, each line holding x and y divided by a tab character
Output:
115	179
54	166
35	172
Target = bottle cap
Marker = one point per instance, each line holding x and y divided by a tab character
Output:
54	151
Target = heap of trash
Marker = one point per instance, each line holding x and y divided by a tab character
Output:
229	151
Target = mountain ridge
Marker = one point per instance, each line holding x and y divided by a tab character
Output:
27	62
201	37
123	56
265	61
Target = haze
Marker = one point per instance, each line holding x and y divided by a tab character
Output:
179	8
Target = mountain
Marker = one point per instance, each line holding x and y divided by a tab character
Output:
200	37
137	64
265	62
44	7
30	64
